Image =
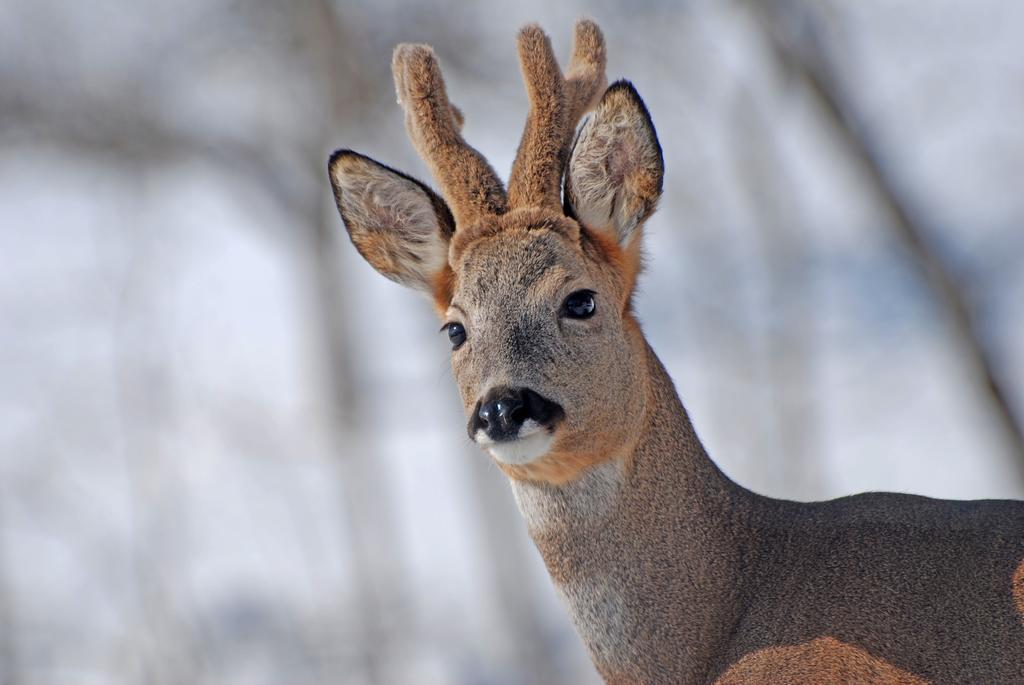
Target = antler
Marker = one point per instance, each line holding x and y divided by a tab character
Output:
556	105
557	102
467	181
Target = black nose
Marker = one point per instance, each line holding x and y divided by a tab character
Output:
503	411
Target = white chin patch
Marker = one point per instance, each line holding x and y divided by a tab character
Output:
533	442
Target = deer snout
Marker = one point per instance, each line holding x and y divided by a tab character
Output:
505	414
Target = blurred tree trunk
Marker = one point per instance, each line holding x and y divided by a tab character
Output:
161	651
790	334
378	586
364	487
796	35
9	657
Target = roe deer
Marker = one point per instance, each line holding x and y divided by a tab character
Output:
671	572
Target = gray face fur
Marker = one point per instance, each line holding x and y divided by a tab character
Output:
509	295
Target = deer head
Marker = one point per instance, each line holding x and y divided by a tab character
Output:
534	284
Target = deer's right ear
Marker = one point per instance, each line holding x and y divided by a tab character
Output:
399	225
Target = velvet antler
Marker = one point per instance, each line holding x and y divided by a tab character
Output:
467	181
556	105
557	102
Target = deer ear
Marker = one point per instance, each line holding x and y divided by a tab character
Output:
615	169
399	225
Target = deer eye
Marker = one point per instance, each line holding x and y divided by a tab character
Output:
580	305
456	333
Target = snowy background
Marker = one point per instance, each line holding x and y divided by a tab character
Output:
200	477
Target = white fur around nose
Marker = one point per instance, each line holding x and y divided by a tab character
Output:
532	443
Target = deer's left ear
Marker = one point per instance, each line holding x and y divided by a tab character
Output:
615	169
400	226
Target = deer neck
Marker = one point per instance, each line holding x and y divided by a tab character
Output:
645	548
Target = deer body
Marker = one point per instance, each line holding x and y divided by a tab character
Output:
674	573
671	572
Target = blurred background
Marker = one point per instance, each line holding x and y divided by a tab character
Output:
200	476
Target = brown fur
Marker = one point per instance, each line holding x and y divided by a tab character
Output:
585	79
374	200
626	262
467	181
525	219
556	105
1018	589
824	660
443	289
534	181
671	572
